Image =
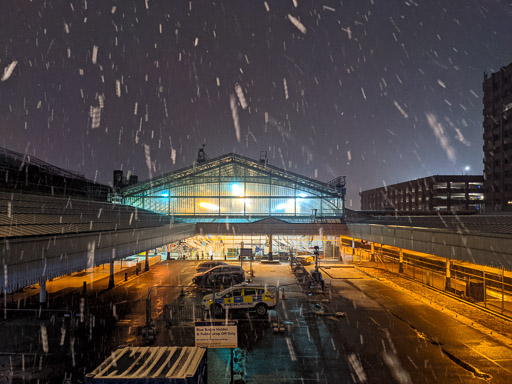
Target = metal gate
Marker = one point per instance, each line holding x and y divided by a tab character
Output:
176	314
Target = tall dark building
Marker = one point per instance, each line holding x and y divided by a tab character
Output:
498	140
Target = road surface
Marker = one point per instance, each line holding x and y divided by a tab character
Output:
385	333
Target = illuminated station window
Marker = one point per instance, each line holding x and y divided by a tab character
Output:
233	186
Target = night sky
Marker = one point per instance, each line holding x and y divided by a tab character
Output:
381	91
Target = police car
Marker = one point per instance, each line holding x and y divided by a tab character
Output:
257	297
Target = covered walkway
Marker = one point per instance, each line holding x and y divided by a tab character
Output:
45	237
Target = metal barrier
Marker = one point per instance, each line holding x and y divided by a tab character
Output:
483	286
175	314
305	278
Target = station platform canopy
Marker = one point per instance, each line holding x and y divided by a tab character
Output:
236	189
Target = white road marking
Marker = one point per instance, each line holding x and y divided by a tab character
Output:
290	349
375	322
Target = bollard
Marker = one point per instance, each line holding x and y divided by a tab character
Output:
137	271
283	296
84	287
126	276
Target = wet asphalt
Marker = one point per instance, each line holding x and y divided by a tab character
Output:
358	330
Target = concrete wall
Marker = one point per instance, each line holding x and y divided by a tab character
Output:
485	248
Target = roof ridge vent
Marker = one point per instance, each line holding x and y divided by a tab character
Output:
263	158
202	157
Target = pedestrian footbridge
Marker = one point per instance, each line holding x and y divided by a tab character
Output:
44	237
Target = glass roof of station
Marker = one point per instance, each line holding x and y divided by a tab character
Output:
233	188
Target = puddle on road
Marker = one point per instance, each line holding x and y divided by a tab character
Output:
461	363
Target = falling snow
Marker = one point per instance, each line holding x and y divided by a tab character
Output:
94	54
402	111
234	115
297	24
382	92
240	95
118	88
8	71
441	135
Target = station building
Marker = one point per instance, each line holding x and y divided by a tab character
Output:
235	189
217	207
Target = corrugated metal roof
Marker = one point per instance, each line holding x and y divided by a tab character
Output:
37	215
149	363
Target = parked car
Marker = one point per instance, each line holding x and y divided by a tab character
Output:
248	297
222	275
207	265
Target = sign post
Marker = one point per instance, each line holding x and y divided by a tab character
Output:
218	334
232	363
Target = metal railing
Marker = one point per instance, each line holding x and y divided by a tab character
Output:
175	314
486	287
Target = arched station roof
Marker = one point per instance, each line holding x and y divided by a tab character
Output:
234	188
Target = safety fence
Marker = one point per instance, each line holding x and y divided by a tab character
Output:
177	314
310	282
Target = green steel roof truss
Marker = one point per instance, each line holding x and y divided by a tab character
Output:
180	177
